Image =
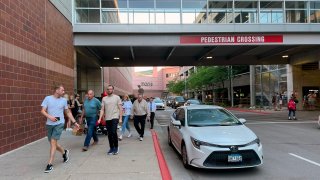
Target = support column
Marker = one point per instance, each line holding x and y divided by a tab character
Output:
289	81
75	78
252	86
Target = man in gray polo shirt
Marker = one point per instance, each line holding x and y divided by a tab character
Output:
53	108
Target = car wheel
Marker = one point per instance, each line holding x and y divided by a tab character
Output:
169	138
184	155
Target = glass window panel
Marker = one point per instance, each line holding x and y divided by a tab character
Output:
141	3
296	16
160	17
168	4
216	16
194	4
315	4
270	5
114	4
315	16
188	17
172	17
245	4
88	3
141	17
113	16
245	17
220	4
88	16
296	4
271	16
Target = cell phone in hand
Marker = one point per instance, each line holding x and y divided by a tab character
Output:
57	118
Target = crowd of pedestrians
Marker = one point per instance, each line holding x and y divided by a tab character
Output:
62	111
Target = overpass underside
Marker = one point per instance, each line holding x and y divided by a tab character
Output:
130	49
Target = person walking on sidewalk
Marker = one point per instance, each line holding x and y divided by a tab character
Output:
292	108
127	106
112	109
139	112
91	109
153	107
53	108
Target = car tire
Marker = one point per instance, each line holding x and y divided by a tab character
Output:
184	155
169	138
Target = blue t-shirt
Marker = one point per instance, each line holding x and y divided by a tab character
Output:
91	107
55	107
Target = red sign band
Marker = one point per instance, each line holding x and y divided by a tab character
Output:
227	39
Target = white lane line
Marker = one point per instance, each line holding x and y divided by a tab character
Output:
312	162
283	122
163	124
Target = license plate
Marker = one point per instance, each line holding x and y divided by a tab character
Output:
234	158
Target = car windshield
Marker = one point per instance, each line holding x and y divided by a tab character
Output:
211	117
194	101
179	98
158	101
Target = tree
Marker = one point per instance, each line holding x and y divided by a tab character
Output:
176	86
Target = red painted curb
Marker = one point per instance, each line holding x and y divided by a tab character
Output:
247	110
165	173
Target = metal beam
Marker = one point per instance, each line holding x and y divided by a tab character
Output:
170	53
132	53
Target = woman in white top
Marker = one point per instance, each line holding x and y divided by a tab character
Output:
126	105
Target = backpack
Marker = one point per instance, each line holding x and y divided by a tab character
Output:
291	105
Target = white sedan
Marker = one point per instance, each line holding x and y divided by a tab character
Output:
212	137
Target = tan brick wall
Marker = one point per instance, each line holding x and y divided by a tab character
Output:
36	44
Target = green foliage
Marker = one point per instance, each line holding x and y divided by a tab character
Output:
176	86
207	75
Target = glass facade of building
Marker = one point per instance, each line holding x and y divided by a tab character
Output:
196	11
270	79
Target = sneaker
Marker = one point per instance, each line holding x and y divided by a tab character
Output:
141	138
65	156
129	135
85	148
49	168
116	151
110	152
289	118
120	137
294	118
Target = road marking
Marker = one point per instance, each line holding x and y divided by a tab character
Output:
163	125
312	162
282	122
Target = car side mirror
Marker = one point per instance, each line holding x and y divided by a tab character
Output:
242	120
177	123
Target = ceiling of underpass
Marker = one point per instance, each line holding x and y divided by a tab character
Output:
95	56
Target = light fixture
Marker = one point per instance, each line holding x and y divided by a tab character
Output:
209	57
285	56
116	58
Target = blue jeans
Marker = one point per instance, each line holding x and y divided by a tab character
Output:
91	123
125	124
293	113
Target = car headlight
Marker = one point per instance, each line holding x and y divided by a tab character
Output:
256	141
197	143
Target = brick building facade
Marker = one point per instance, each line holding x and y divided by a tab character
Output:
36	51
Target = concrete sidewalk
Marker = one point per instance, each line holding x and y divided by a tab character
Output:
136	160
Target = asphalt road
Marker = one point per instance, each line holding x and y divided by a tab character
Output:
291	149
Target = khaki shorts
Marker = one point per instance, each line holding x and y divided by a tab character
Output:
54	131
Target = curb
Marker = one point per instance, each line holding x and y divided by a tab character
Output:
165	173
247	110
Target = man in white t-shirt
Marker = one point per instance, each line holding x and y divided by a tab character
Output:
111	107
